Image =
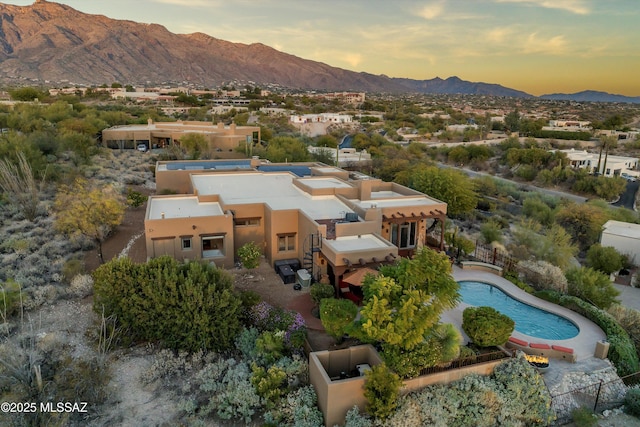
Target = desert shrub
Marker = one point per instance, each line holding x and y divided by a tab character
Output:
604	258
232	396
491	231
336	315
270	346
246	343
81	286
584	417
409	363
187	306
72	268
248	300
270	384
629	319
10	296
135	198
298	408
622	352
543	275
480	400
632	401
514	278
487	327
249	255
382	390
320	291
296	368
355	419
592	286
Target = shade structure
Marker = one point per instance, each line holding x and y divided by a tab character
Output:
357	276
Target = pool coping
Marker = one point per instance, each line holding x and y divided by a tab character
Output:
583	344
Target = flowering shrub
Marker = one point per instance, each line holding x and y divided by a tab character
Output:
249	255
266	317
543	275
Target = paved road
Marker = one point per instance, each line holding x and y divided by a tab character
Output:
627	199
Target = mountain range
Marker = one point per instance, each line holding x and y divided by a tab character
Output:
52	42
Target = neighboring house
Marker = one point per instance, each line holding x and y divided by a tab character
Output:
624	237
220	138
329	220
321	118
344	157
615	165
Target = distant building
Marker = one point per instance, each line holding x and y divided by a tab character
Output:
321	118
220	138
345	157
615	165
624	237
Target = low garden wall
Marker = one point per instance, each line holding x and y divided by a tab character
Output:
336	395
482	266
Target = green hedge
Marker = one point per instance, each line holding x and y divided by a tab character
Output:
622	351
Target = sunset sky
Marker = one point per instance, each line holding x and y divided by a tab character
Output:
538	46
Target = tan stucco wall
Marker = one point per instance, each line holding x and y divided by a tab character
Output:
337	397
172	230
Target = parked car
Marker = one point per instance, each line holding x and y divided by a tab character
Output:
142	148
628	177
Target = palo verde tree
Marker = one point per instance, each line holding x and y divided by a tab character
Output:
402	308
89	212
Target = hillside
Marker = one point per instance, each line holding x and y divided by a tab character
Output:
51	42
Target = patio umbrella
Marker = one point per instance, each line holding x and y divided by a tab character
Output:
357	276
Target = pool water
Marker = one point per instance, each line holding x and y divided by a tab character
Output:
529	320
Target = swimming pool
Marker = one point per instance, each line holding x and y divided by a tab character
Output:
529	320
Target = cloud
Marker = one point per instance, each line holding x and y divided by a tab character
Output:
579	7
353	59
188	3
553	46
431	10
498	35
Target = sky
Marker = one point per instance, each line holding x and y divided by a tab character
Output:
537	46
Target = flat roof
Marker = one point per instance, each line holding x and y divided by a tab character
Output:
384	194
406	201
182	207
625	229
358	243
324	183
273	189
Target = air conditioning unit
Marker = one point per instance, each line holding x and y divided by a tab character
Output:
304	278
351	217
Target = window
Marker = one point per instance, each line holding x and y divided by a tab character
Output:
246	222
286	242
212	246
186	243
404	235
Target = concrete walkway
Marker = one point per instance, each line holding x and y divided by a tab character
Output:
629	296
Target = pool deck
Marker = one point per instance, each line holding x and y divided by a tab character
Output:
584	344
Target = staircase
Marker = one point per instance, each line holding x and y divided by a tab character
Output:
312	244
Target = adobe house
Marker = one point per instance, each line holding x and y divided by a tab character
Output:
328	219
221	139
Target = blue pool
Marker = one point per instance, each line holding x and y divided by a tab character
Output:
529	320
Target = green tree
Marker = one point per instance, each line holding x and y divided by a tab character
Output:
90	212
382	390
592	286
491	231
194	145
486	326
449	185
26	94
582	221
249	255
336	315
404	303
609	188
604	258
186	306
286	149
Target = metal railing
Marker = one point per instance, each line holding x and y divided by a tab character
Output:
467	361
